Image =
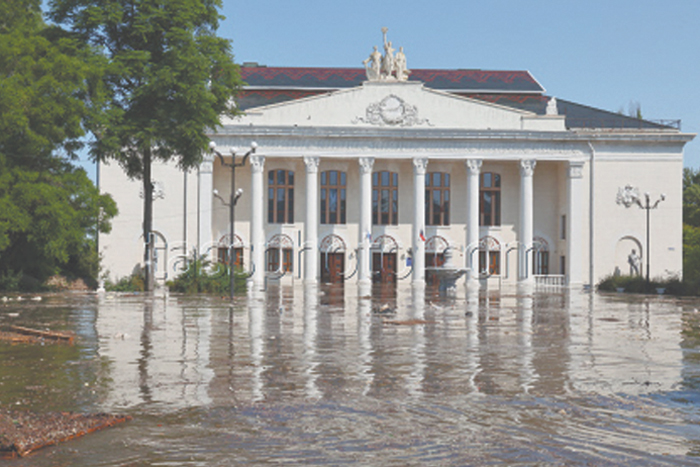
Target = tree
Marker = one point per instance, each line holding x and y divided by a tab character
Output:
169	78
49	210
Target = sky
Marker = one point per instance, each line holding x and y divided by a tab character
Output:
602	53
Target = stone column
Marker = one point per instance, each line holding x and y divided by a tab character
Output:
364	272
470	253
257	231
204	211
311	224
574	236
527	169
419	166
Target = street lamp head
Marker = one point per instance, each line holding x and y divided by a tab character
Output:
234	150
239	192
663	196
216	192
212	145
253	146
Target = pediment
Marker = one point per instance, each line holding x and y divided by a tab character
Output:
396	105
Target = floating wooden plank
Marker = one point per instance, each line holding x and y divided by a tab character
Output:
24	432
46	335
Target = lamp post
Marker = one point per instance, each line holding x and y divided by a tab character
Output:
628	196
232	201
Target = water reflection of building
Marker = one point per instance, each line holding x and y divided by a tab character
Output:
303	343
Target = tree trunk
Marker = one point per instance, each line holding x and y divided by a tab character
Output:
147	221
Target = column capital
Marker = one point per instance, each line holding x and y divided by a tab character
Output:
576	169
366	164
257	163
420	164
527	167
473	165
311	163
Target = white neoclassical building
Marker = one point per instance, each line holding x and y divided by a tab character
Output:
362	175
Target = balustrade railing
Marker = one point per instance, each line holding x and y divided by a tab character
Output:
550	280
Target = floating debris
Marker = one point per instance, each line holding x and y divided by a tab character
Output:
385	309
21	334
24	432
407	322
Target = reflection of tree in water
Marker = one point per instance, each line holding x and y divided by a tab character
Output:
146	353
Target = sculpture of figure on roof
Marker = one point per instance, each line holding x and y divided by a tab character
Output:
552	107
388	64
402	71
373	65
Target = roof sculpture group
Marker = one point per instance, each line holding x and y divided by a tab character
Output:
389	67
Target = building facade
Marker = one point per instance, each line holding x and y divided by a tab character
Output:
366	176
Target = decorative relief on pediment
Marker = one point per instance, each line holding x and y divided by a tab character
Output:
392	111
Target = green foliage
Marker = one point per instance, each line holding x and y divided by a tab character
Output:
168	79
132	283
49	210
638	284
201	277
691	197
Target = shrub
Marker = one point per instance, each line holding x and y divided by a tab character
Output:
201	277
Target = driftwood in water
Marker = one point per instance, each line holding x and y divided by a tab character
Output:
24	432
29	335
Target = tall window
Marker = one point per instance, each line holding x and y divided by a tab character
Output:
385	198
437	198
490	199
333	197
280	197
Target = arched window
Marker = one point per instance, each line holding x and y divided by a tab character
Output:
490	199
437	198
385	198
489	256
280	249
280	197
540	256
333	197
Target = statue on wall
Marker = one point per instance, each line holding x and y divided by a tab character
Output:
635	263
388	67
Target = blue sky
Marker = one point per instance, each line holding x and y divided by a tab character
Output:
602	53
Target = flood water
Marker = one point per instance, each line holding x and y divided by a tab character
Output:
297	376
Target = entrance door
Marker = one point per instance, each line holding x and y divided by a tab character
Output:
433	260
384	268
332	268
